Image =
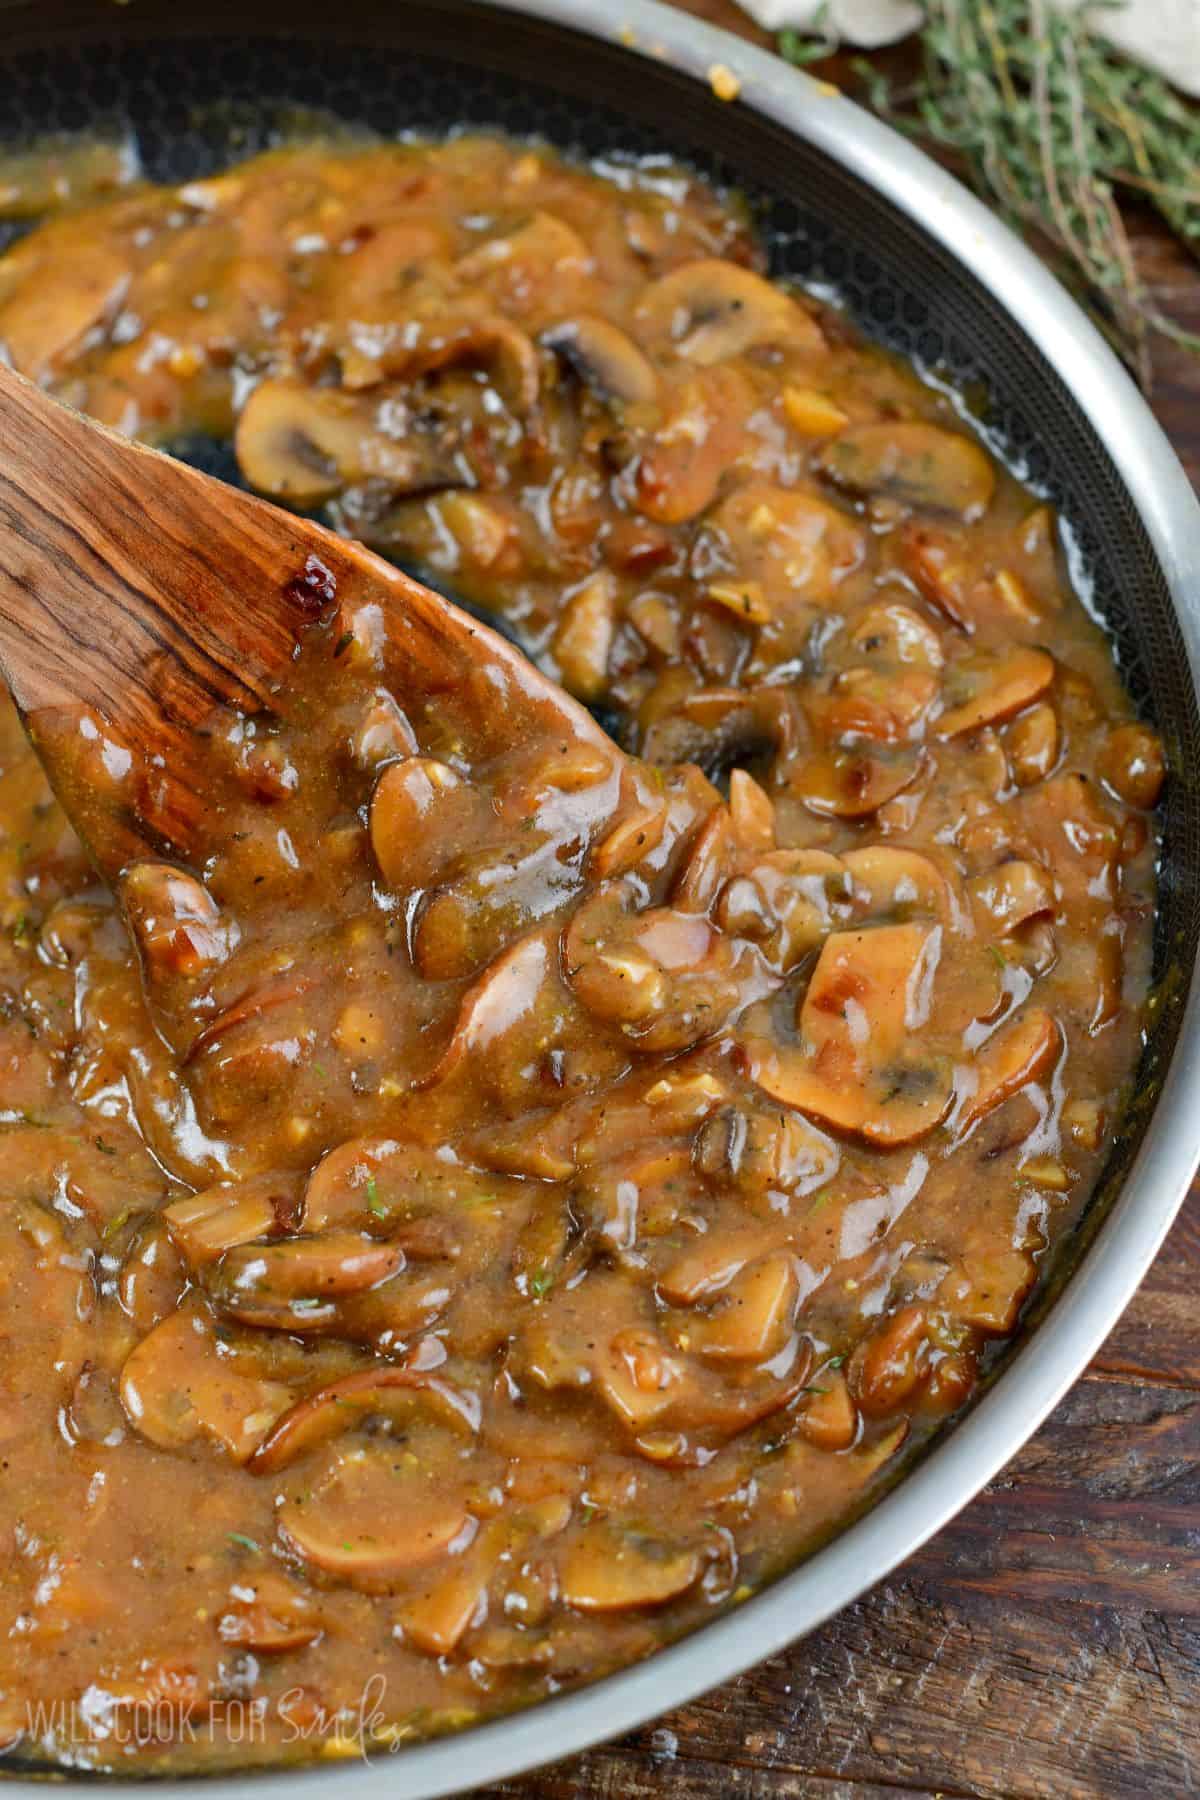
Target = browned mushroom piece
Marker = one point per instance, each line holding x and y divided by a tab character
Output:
853	784
153	1278
297	1284
751	1316
710	311
384	1392
793	545
304	444
605	359
219	1218
1007	896
419	810
1021	1051
676	469
1134	766
176	923
445	340
860	1064
383	734
374	1514
786	902
664	979
994	689
180	1385
884	879
919	464
892	635
606	1569
769	1156
269	1613
539	258
48	313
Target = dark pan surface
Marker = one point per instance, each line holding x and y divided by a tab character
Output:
198	91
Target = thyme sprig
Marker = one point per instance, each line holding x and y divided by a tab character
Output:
1050	123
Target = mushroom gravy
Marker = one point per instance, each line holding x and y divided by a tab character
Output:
507	1204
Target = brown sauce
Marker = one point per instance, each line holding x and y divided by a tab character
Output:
508	1206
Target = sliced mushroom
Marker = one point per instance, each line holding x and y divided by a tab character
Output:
918	464
676	470
892	635
381	1186
207	1224
605	359
176	923
767	1156
413	348
387	1391
152	1279
711	310
795	547
537	251
787	903
880	706
303	444
751	1318
851	784
751	812
1009	895
609	1570
420	810
270	1614
1032	742
664	979
297	1284
1133	765
383	734
371	1517
584	635
830	1419
996	688
1022	1051
507	991
860	1064
889	1366
900	882
178	1386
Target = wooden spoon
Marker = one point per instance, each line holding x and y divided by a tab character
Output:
139	597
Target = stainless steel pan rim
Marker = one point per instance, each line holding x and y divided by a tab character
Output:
1158	1180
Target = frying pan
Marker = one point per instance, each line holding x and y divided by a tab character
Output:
849	209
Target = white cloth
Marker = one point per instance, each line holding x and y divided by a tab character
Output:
1163	34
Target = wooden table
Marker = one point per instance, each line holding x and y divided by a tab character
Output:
1047	1643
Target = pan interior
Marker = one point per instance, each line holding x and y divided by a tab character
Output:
197	92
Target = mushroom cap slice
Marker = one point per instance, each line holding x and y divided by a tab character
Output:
1021	1051
207	1224
710	310
177	1386
887	879
859	1064
302	444
341	1405
918	463
604	358
371	1518
297	1283
1000	687
607	1570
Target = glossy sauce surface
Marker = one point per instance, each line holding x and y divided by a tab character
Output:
515	1198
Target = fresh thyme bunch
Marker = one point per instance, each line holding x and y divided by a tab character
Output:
1049	121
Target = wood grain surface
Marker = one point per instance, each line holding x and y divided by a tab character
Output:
1047	1643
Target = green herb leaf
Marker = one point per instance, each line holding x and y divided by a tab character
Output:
243	1542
